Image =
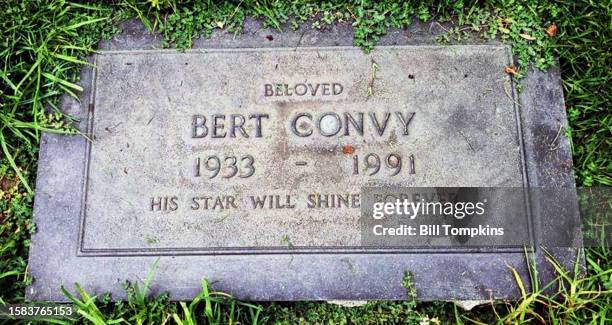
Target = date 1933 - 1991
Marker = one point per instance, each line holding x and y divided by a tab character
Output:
231	166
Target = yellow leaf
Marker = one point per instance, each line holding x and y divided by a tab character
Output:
519	281
527	37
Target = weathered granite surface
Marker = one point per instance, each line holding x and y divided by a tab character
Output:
97	224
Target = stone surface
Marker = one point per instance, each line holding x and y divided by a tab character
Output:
284	177
108	209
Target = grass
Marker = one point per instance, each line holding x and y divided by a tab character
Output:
42	49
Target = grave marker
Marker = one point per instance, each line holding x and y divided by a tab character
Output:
245	166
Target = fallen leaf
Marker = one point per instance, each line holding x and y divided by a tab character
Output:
270	37
527	37
552	30
512	69
504	30
220	24
6	183
348	149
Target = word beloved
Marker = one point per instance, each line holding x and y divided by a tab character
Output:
302	89
302	124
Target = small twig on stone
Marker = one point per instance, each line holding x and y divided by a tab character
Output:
373	77
467	141
553	145
84	135
437	23
299	40
508	81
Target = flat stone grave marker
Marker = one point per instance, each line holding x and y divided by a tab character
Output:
246	166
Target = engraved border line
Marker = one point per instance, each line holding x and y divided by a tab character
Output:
250	250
